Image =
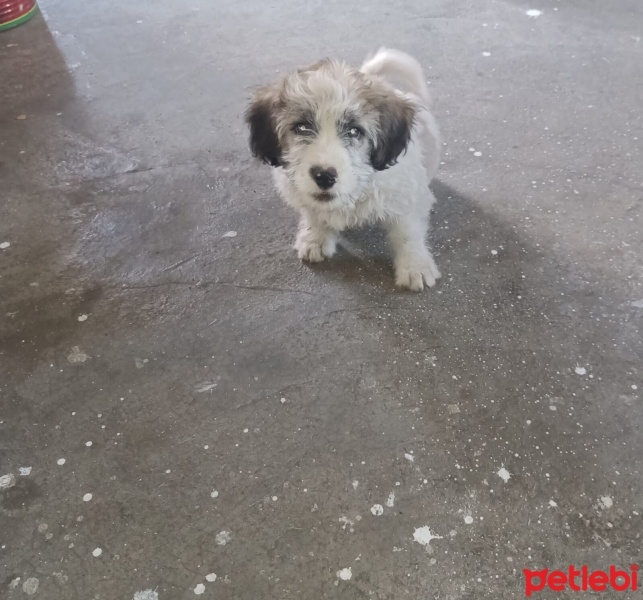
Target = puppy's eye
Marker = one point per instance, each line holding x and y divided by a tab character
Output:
354	133
303	129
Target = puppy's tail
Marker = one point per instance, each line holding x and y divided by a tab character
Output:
398	67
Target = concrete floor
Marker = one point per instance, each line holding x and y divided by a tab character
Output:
196	384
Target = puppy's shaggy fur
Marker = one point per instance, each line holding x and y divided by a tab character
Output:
349	148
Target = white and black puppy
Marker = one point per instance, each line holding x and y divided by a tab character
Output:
349	148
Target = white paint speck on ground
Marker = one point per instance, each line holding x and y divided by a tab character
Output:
486	54
534	13
88	444
345	574
355	484
87	497
504	474
494	253
223	538
477	153
7	481
62	579
5	245
553	504
423	535
199	589
61	461
580	371
30	586
206	386
211	577
377	510
390	501
282	400
76	356
229	234
82	318
25	471
346	522
97	552
214	494
605	502
409	457
468	519
146	595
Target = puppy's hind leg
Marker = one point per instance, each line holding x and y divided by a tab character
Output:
414	264
315	241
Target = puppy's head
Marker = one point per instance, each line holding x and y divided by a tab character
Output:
330	128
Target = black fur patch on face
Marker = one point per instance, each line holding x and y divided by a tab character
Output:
396	116
264	142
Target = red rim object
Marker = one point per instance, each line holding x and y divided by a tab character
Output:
15	12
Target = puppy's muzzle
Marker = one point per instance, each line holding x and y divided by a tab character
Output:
324	178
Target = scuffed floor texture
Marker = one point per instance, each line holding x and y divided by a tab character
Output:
179	402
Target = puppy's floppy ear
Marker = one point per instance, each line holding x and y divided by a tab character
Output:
260	116
396	118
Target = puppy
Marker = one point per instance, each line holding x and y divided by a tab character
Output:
347	149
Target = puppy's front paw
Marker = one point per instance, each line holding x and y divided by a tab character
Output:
314	251
415	275
310	252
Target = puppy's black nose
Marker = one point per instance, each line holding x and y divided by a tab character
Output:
324	178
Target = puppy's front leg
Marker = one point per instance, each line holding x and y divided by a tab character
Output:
315	241
414	264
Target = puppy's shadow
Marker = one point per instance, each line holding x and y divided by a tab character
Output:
363	257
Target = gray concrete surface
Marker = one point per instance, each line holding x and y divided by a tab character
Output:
224	387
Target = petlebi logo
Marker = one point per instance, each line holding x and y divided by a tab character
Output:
581	580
